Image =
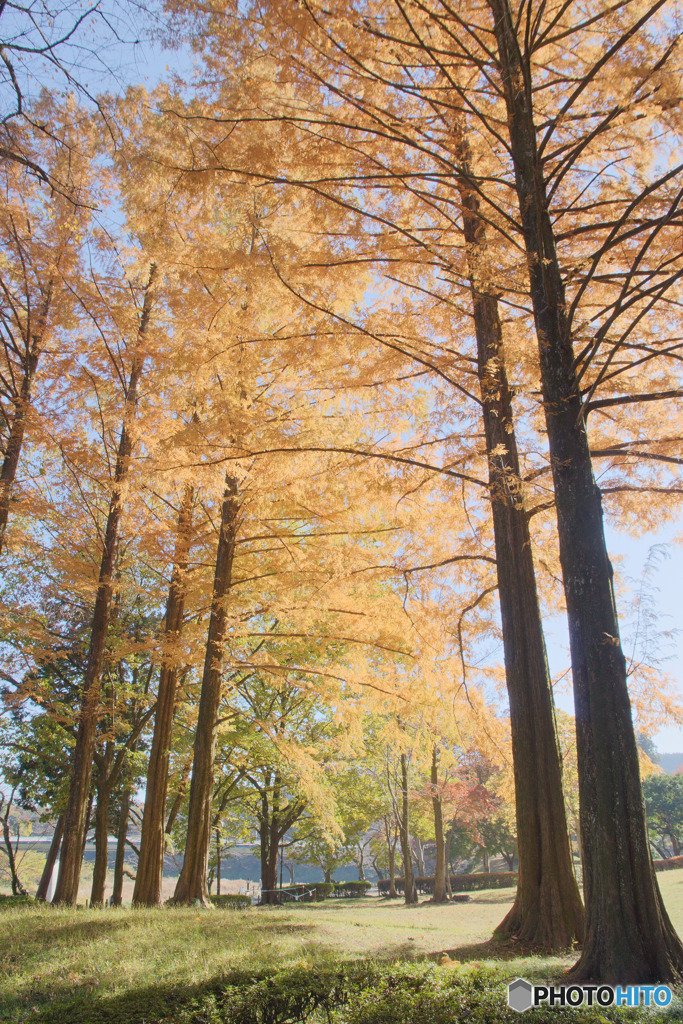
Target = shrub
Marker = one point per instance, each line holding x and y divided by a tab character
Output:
352	888
231	900
459	883
16	901
670	864
358	992
308	892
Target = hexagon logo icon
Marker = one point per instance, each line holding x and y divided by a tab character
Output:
520	995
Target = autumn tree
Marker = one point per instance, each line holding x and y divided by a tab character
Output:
388	133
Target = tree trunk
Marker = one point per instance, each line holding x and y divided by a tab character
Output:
52	854
149	876
17	888
410	892
88	820
23	403
361	863
99	876
117	892
547	910
392	870
629	937
81	767
484	859
218	863
192	881
419	857
177	802
269	845
440	869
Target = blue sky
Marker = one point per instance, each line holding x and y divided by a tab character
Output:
629	556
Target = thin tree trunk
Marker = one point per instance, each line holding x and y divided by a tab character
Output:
15	440
192	881
81	768
177	801
17	888
149	876
629	937
419	857
218	862
117	892
410	892
361	863
392	870
547	910
99	876
88	820
52	854
437	807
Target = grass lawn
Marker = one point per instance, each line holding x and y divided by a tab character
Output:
98	957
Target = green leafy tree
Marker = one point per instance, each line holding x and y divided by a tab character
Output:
664	806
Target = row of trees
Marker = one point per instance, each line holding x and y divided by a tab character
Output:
315	352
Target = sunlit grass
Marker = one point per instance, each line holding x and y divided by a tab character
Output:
49	954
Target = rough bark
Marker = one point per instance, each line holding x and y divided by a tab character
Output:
52	854
410	892
191	885
547	909
628	934
99	875
81	768
149	876
34	344
122	833
437	807
268	842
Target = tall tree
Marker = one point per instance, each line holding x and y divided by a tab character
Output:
66	890
192	881
629	936
148	879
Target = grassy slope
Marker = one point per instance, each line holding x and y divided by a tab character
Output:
48	954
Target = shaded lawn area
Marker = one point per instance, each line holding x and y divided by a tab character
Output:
145	965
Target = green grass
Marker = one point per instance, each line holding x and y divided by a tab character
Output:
122	959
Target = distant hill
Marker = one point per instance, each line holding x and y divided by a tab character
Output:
670	763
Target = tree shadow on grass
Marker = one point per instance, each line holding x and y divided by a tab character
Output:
78	932
242	994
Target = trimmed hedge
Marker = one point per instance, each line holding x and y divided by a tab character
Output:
459	883
670	864
308	892
352	889
231	900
